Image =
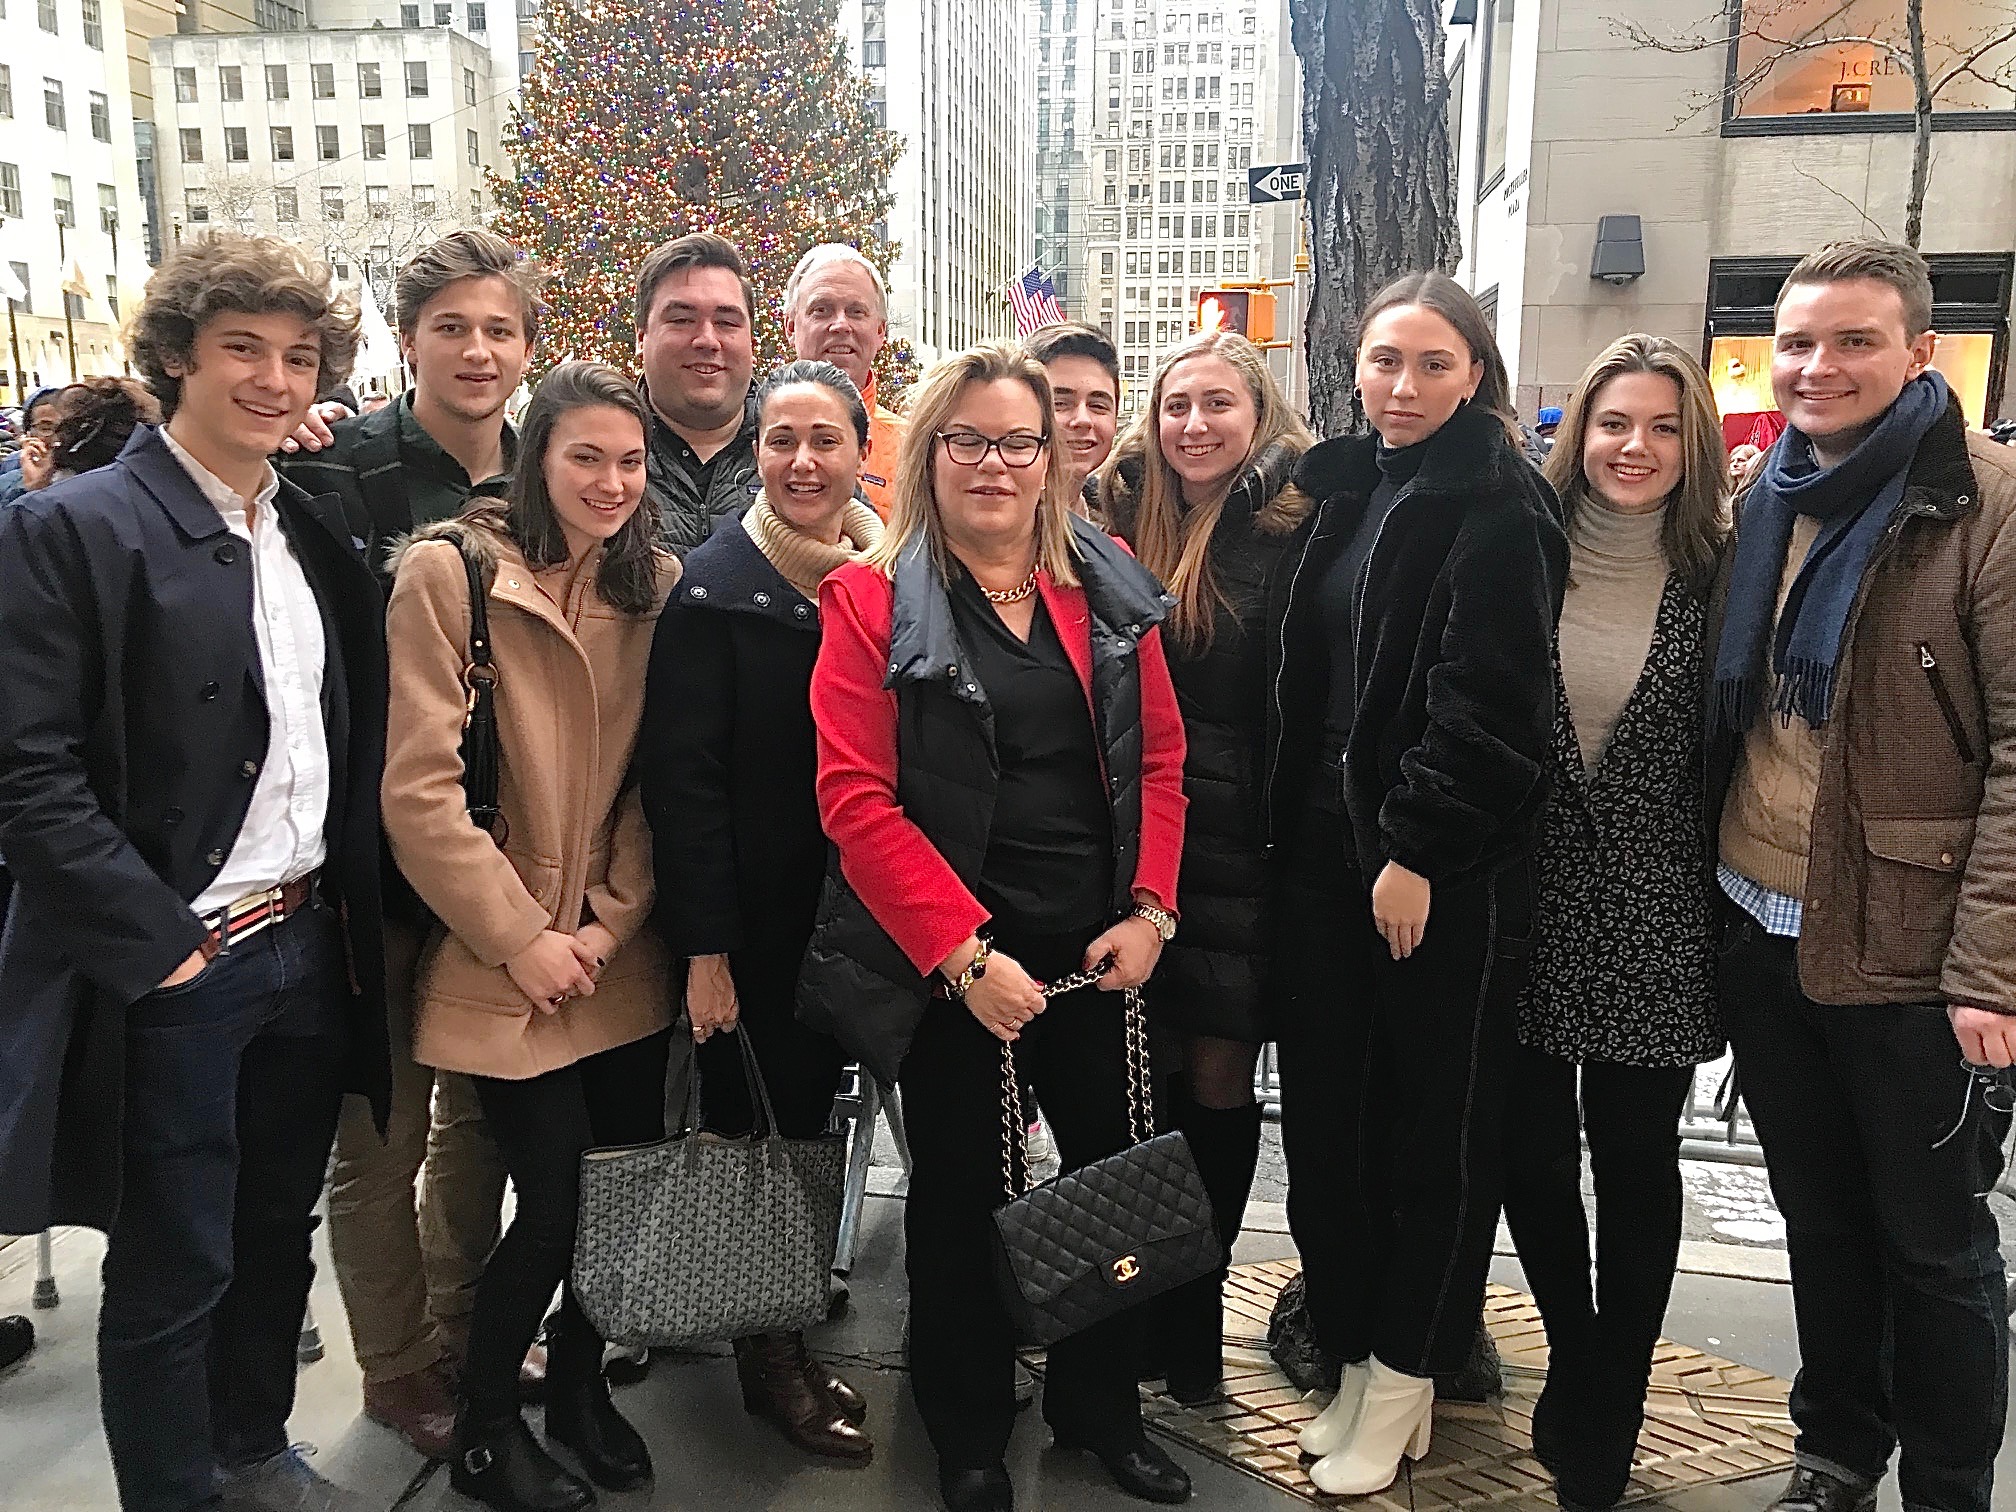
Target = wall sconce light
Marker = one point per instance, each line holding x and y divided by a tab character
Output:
1620	250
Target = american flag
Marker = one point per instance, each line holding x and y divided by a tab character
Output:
1034	297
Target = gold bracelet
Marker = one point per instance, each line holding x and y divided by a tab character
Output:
976	968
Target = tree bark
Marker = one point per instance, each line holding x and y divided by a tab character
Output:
1382	185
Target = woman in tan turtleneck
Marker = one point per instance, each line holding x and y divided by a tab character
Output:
1620	1006
726	762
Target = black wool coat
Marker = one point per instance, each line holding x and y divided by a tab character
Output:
1456	609
1624	954
726	758
132	709
1215	976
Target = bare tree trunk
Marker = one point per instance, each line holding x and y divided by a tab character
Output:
1382	187
1921	122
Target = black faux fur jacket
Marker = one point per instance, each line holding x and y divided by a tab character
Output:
1456	612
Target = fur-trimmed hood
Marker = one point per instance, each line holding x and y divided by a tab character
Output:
472	537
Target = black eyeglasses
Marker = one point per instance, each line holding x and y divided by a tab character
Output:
970	448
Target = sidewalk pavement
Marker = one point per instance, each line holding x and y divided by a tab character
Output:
711	1456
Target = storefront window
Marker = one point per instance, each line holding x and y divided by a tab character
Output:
1739	367
1858	77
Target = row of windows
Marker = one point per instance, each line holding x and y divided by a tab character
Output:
55	108
321	82
1233	261
92	15
444	15
425	203
328	144
64	195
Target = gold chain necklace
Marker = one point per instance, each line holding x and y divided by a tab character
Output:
1013	595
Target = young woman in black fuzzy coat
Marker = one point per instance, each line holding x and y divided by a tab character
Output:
1200	490
726	762
1417	699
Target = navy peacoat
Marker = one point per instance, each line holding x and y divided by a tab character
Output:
132	725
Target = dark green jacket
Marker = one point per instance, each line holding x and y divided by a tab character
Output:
389	471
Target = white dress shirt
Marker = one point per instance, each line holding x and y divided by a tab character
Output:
281	838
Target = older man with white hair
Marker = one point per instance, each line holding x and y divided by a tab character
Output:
836	309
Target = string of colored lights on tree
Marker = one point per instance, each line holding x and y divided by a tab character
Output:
647	119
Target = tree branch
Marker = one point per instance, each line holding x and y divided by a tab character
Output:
1868	220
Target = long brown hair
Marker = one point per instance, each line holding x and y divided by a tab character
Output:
915	512
1697	510
1175	543
1440	293
627	579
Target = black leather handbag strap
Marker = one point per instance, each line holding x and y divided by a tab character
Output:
481	757
682	1083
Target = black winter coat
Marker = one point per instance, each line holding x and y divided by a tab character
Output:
857	985
131	706
686	516
726	758
1214	977
1457	604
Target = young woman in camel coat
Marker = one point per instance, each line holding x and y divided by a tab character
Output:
540	980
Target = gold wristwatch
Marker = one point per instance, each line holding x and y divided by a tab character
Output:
1163	920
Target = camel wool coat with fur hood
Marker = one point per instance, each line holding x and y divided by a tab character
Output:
570	696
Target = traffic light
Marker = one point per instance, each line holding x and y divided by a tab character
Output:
1250	312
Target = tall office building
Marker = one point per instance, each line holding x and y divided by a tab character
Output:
69	193
1149	113
955	78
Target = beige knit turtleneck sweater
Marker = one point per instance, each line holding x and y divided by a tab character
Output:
804	560
1616	577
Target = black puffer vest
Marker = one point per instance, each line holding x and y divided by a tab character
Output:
856	984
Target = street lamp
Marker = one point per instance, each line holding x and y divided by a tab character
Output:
69	325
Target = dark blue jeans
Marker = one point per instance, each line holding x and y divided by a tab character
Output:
233	1081
1881	1153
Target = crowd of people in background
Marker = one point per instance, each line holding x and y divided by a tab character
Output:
1450	757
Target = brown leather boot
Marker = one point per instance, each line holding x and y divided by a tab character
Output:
846	1400
778	1384
419	1407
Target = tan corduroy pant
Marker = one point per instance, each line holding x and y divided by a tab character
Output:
412	1218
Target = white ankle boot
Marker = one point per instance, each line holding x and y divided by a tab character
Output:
1330	1429
1394	1419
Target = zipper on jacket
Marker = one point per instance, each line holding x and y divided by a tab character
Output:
1946	705
1280	672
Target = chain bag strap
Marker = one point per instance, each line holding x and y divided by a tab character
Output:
1097	1240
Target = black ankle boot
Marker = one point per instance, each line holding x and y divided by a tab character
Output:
1225	1142
580	1415
501	1465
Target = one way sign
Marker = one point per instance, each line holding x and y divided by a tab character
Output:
1282	181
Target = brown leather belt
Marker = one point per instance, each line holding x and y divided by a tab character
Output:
254	912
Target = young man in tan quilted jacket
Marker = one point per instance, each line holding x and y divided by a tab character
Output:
1862	715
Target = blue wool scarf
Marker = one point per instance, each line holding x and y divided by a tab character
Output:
1854	500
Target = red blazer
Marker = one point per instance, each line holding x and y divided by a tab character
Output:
909	888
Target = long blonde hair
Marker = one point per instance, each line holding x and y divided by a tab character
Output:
1697	511
915	512
1171	542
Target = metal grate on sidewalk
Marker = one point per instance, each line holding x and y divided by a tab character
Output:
1709	1421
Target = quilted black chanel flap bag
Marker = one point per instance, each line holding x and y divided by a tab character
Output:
1094	1241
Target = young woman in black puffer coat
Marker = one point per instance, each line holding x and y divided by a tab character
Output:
1199	489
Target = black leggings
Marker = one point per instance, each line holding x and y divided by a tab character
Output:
542	1126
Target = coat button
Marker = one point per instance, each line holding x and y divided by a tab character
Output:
248	769
210	691
226	554
801	610
215	858
1945	858
699	593
171	816
762	600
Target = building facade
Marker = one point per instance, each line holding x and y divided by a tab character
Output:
71	224
363	145
1149	114
954	78
1736	158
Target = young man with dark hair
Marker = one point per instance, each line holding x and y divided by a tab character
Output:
192	694
836	309
1863	787
695	318
409	1253
1084	374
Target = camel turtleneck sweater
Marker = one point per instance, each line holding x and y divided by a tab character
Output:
1616	577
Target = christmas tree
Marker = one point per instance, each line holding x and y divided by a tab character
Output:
647	119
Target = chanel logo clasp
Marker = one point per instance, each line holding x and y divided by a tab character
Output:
1125	1269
